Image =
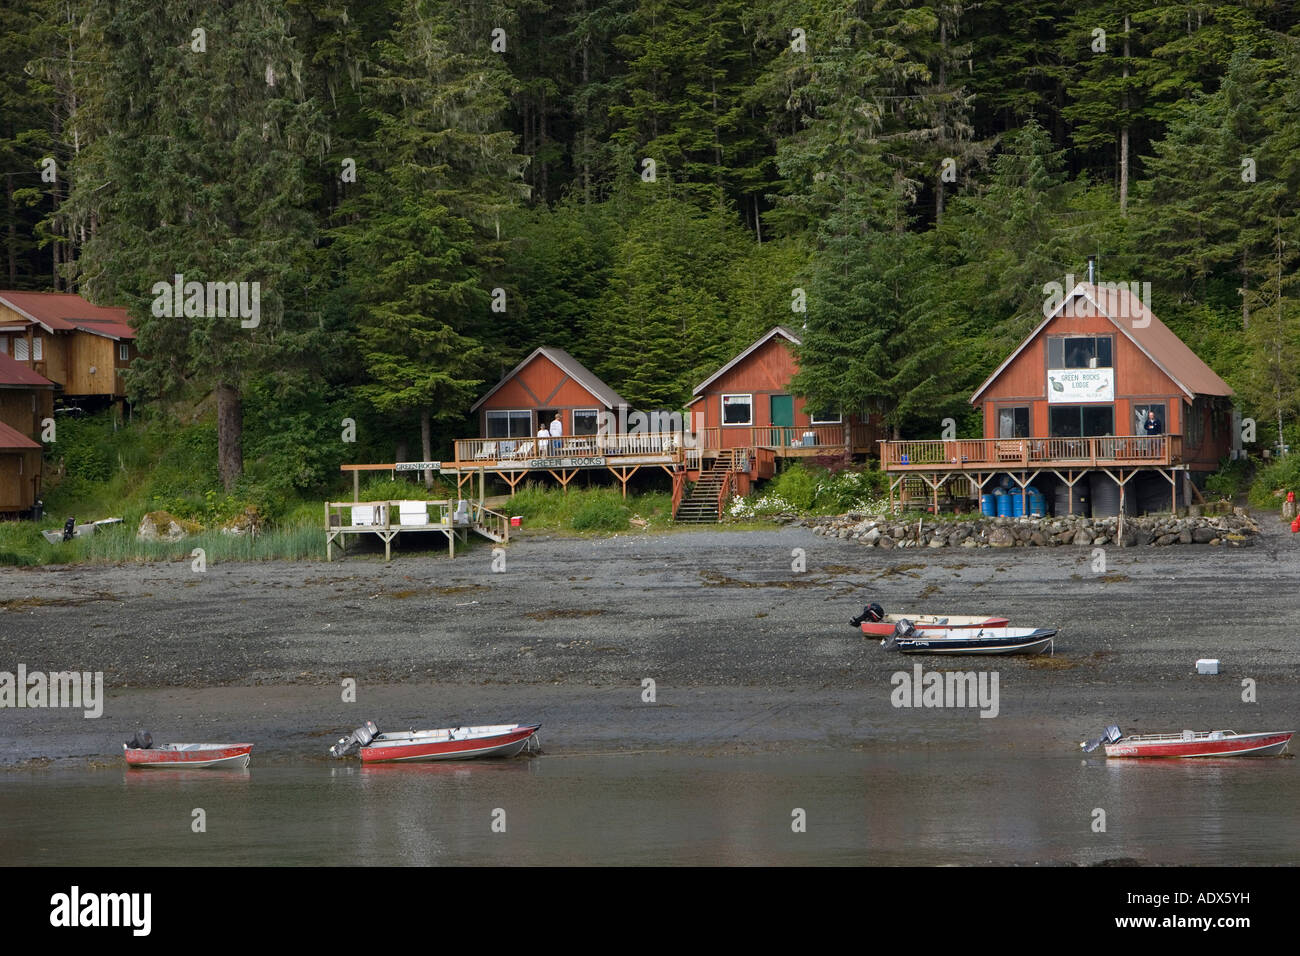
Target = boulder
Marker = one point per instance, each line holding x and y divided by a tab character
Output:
1082	538
1204	535
1166	539
1001	537
162	525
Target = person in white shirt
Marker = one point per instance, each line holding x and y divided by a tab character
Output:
542	435
557	431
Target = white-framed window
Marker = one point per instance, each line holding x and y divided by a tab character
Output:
737	409
585	421
123	352
825	417
509	423
38	352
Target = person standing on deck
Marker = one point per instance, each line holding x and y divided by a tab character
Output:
1152	425
557	431
542	439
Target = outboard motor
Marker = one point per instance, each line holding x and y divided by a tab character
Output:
1111	735
354	741
69	529
904	628
142	740
873	612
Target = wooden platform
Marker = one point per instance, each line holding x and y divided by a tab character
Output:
388	519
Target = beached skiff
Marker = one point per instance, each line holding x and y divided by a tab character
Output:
973	640
189	756
1190	743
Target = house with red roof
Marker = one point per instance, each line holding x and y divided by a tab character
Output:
82	348
1102	408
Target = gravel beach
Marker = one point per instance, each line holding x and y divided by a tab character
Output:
744	652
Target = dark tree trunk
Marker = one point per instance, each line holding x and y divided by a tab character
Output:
230	435
426	443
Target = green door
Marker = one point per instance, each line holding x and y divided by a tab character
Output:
782	420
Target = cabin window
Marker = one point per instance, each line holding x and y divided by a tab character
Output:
1194	419
20	349
1013	422
737	409
585	421
123	352
826	417
1081	421
4	345
1140	417
1080	351
38	353
509	424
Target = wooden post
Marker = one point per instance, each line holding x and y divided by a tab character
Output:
356	485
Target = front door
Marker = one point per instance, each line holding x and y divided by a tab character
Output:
782	420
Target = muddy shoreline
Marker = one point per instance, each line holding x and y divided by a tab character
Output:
745	652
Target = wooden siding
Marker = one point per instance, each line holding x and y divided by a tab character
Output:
20	479
1138	381
764	373
67	357
541	384
23	408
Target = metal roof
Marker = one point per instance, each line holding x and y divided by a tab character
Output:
11	438
66	312
1140	325
14	374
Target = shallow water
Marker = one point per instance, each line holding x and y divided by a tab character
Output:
927	808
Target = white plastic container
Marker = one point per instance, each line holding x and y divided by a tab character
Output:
1207	665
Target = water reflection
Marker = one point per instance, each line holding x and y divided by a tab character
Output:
929	808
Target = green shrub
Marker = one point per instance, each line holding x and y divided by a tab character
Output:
601	512
1283	474
797	485
1232	478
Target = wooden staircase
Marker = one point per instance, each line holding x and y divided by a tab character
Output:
701	505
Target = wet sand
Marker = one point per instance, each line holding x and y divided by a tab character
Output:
745	653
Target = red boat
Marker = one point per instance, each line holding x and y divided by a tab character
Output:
451	743
1190	743
189	756
875	622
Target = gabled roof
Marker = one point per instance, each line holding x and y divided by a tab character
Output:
11	438
14	374
66	312
1139	324
775	330
571	367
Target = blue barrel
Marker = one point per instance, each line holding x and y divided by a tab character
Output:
1037	503
1004	505
988	505
1017	504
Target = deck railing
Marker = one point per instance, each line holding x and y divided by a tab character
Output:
969	454
787	438
474	452
679	491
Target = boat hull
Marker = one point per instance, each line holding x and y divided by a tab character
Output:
930	622
190	757
450	744
978	641
1203	745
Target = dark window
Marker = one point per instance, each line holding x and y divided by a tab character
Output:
1140	417
1079	351
585	421
737	409
509	424
1013	422
1081	421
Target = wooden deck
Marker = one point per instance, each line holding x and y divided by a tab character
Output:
1005	454
940	469
388	519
